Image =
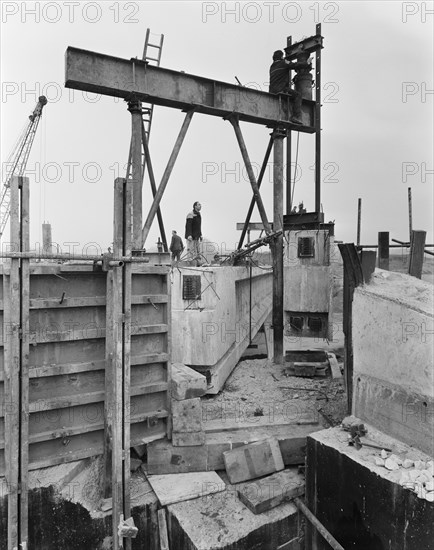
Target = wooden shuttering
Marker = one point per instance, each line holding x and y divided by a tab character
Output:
67	360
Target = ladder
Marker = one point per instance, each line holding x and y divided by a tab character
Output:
151	54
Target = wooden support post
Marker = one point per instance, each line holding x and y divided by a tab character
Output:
24	360
16	364
47	242
318	124
253	201
383	250
353	277
278	247
147	162
256	195
134	106
114	352
359	220
126	352
166	176
118	335
417	245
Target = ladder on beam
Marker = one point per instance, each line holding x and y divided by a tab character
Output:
151	54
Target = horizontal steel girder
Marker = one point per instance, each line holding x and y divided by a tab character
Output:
112	76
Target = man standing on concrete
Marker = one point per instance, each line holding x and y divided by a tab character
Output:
280	84
193	231
176	246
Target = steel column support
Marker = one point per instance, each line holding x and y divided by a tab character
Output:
278	247
256	195
166	176
134	107
410	215
359	220
289	153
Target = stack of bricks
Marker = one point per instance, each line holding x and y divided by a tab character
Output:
187	388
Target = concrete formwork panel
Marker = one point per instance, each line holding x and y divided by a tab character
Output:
67	361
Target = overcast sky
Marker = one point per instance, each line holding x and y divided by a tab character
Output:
377	115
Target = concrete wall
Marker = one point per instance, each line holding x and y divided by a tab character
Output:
393	357
204	330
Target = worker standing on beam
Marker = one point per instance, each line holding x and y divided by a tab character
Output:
193	231
280	84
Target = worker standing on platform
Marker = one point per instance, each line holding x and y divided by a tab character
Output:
280	84
193	231
176	246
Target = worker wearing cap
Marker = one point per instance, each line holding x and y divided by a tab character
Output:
193	231
280	84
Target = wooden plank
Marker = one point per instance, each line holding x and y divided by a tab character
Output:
24	363
150	299
48	435
174	488
89	333
150	329
67	302
417	245
270	422
70	368
148	358
162	529
253	460
264	494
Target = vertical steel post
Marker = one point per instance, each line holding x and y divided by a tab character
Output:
359	220
278	246
134	108
410	215
288	152
318	125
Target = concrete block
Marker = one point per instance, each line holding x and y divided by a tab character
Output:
271	491
187	415
186	383
253	460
